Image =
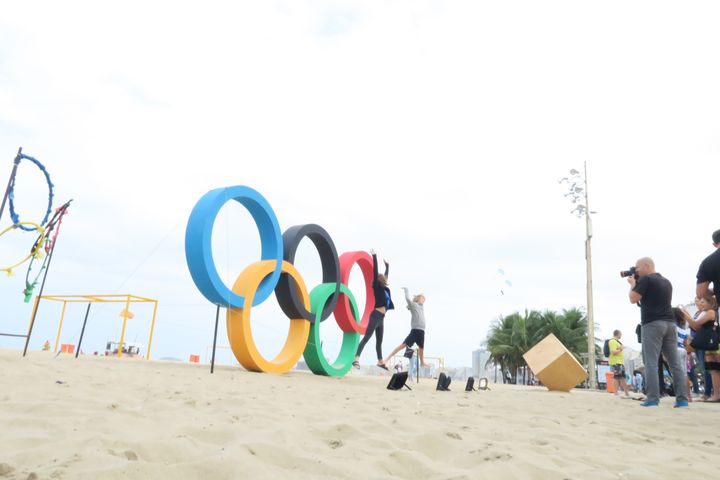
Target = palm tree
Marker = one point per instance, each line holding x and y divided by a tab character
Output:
513	335
499	343
570	327
510	337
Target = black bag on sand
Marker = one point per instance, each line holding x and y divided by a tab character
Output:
443	383
706	338
398	380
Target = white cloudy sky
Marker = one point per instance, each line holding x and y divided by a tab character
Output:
434	132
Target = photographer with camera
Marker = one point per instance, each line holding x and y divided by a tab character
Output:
653	293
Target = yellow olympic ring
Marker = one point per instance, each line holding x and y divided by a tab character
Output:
238	321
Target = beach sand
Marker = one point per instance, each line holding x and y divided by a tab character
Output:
109	418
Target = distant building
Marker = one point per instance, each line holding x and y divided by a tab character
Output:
459	373
480	357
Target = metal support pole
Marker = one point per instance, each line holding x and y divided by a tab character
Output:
37	302
82	332
152	329
588	259
212	362
62	317
122	333
12	176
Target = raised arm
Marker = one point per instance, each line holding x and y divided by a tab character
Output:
375	267
387	268
407	295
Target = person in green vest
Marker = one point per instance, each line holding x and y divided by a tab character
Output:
617	363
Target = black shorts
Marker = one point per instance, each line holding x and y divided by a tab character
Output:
415	336
618	370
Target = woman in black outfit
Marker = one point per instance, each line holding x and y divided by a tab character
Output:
383	303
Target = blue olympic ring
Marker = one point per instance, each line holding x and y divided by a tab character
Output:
198	250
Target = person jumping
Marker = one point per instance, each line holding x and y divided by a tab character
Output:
417	327
383	303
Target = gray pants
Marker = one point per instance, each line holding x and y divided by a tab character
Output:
660	336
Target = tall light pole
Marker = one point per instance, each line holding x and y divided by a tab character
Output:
578	193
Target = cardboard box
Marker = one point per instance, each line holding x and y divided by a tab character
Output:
554	365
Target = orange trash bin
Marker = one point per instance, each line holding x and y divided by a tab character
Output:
610	381
194	358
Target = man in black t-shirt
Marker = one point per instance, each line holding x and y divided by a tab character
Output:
653	293
709	271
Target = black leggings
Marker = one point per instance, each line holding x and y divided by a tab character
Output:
375	324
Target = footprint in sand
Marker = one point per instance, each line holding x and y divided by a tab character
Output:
497	457
5	469
127	454
130	455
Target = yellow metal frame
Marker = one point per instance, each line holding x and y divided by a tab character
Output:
116	298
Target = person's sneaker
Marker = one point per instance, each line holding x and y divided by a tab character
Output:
681	404
650	403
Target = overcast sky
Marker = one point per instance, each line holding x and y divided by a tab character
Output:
435	133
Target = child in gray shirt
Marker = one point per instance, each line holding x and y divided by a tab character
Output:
416	305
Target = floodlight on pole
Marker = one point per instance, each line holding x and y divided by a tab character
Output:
578	194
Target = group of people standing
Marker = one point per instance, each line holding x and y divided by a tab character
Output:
659	334
383	303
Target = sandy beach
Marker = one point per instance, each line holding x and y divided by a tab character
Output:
99	417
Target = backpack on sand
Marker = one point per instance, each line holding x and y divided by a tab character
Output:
398	381
443	382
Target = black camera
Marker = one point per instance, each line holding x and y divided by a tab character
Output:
627	273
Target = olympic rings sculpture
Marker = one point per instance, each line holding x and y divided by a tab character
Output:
275	272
